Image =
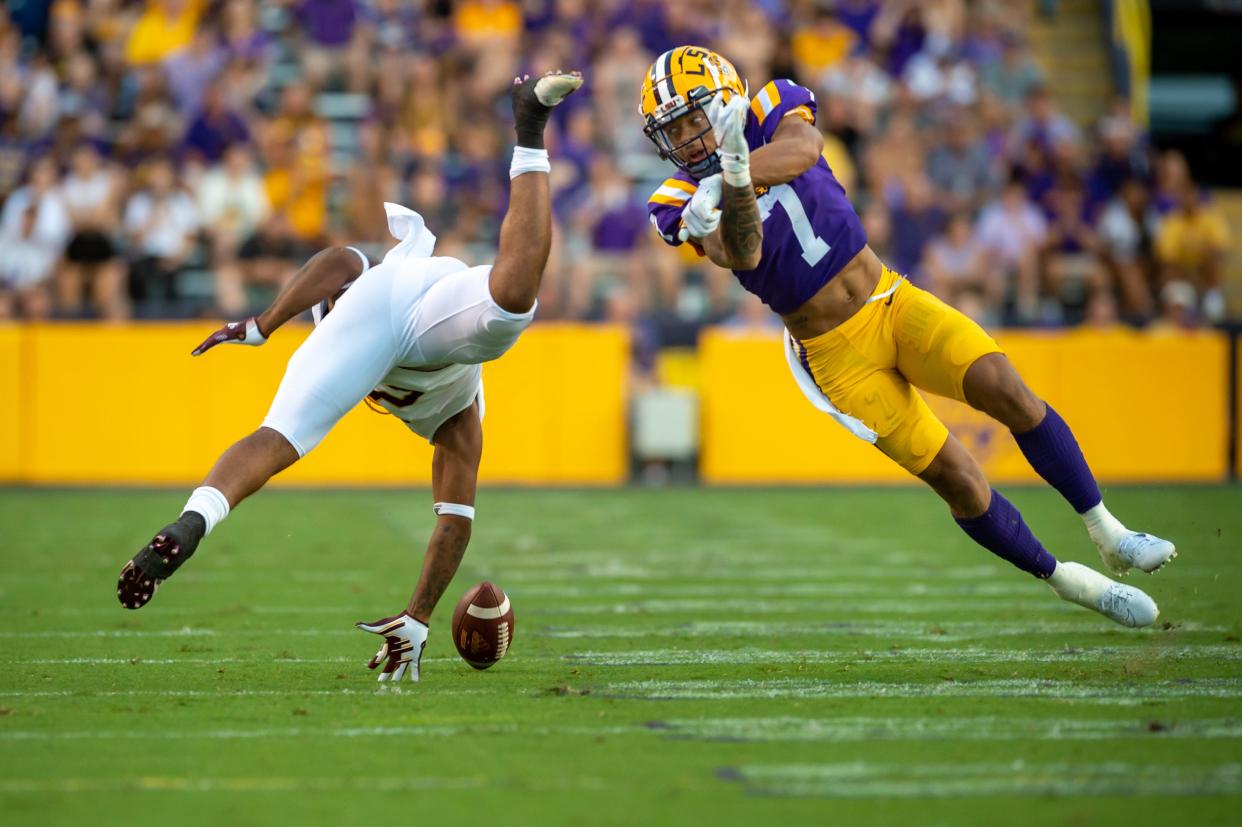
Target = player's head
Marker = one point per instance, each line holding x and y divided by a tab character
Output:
675	93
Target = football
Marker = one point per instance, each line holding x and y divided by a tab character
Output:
483	625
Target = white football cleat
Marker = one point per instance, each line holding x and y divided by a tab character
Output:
554	87
1134	549
1088	588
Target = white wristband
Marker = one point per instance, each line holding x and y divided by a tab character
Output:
526	160
253	335
735	169
454	510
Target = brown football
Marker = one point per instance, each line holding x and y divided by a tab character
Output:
483	625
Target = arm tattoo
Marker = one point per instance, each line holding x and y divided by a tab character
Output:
741	228
444	553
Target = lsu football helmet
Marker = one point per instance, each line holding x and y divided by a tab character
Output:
680	82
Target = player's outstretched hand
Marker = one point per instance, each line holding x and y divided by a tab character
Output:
729	128
234	333
702	214
402	650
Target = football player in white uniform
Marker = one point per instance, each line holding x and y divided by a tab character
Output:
410	333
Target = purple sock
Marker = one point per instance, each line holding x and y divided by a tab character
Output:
1053	452
1002	531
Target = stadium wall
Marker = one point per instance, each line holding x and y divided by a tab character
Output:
88	404
1145	407
85	404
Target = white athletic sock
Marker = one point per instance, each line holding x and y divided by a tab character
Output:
210	503
1105	529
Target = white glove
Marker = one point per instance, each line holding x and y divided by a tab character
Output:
402	650
729	127
702	215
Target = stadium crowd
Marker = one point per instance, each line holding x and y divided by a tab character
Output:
181	157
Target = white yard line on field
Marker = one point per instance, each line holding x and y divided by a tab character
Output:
862	779
947	630
678	657
290	693
314	732
982	728
1128	694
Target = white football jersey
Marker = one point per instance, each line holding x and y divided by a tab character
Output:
409	334
424	399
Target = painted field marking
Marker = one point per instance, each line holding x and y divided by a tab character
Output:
867	780
311	732
946	630
268	784
235	693
1121	694
745	656
678	657
983	728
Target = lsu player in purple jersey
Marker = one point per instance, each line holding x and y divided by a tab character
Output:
753	193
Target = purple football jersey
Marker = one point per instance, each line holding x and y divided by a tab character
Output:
810	229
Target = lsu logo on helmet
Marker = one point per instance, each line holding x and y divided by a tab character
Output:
682	82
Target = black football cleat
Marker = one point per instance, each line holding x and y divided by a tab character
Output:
157	561
533	99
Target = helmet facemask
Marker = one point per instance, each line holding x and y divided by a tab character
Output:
680	152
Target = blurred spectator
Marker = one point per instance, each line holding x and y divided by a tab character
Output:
92	193
329	29
916	220
191	70
154	125
1072	269
1012	231
1191	246
896	157
1015	75
1121	157
296	155
618	76
1172	178
232	204
160	222
488	31
960	166
821	44
1043	124
215	128
957	263
607	238
34	227
269	257
370	183
1127	228
166	27
1178	309
241	36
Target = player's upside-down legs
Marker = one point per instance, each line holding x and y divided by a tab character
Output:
513	284
870	366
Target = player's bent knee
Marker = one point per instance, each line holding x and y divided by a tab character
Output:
993	386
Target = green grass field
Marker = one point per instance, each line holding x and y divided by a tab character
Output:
681	657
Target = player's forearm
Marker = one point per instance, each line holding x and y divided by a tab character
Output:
525	241
741	228
444	553
795	148
781	162
320	278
